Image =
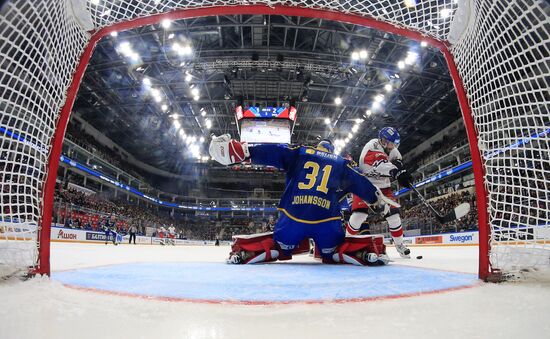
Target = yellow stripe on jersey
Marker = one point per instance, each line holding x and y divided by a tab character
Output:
308	221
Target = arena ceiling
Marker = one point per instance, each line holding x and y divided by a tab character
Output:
197	70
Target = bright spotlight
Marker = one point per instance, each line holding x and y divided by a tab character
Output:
368	112
196	97
327	121
203	113
376	105
177	124
114	34
355	128
164	107
411	58
125	48
195	91
423	44
354	56
201	139
166	23
337	100
188	77
185	50
388	87
363	54
359	121
379	98
147	82
401	64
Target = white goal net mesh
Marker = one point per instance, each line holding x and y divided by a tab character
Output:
501	49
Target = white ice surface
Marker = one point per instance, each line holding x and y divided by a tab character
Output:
40	308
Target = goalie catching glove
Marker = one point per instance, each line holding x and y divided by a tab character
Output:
228	151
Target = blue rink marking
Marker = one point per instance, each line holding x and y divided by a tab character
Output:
288	282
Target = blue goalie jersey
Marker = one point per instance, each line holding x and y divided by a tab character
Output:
316	181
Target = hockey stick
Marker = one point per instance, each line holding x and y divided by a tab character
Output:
457	213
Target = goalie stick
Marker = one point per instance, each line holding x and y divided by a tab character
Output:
457	213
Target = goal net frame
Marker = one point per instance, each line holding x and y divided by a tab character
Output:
366	13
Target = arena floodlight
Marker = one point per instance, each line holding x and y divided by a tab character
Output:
166	23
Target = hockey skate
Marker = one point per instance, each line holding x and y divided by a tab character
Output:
238	258
373	259
403	251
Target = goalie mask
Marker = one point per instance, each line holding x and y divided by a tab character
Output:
325	145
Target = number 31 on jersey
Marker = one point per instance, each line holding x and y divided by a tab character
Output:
311	177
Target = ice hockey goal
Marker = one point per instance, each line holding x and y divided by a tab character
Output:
497	52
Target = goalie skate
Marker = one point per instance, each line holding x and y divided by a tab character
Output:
238	258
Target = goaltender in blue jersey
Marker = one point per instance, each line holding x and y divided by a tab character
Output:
316	180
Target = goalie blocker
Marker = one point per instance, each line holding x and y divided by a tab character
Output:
360	250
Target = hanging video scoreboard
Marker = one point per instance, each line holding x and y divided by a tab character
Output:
266	124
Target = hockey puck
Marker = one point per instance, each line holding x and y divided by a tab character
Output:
419	257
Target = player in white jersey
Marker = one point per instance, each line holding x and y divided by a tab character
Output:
380	160
172	235
162	235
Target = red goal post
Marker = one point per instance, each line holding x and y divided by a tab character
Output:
497	57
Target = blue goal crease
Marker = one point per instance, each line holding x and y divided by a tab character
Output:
269	283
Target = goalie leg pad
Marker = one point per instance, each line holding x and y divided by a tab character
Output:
262	248
257	246
357	250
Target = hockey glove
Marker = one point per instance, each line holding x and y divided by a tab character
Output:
228	151
403	177
398	163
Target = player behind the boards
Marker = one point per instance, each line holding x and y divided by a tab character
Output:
381	161
309	207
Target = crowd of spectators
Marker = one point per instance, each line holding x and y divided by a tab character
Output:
76	209
416	216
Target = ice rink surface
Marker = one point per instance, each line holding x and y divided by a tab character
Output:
44	308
